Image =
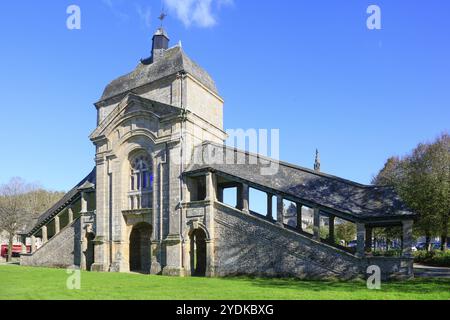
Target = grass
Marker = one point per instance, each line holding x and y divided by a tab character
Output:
24	283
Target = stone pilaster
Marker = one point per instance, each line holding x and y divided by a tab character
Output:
44	235
269	206
280	210
57	225
245	198
299	217
316	227
70	214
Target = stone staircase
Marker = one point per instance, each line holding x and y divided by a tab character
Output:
61	251
247	244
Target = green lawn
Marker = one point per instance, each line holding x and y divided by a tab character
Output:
39	283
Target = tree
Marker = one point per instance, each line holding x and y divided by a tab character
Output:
20	204
422	180
13	212
345	231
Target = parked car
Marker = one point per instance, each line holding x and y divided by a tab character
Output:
352	244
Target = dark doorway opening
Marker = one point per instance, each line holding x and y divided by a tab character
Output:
140	248
90	251
198	253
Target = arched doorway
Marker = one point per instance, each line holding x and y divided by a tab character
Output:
90	251
140	248
198	253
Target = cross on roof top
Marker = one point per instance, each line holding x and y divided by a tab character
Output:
162	17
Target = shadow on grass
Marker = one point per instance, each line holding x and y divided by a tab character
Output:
435	285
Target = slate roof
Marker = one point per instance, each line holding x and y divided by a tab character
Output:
174	61
90	179
357	201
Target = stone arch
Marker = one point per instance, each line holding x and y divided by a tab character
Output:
197	237
140	248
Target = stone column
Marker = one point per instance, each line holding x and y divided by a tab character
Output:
210	189
407	238
299	217
239	198
33	244
369	232
70	214
44	235
210	261
220	194
316	225
269	206
280	210
360	239
57	225
245	198
331	229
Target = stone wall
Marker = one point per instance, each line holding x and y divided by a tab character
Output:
62	251
248	245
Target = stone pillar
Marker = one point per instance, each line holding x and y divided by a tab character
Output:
360	239
33	244
239	198
57	225
70	214
280	210
299	217
369	233
331	229
44	235
210	261
220	194
316	225
269	206
407	238
245	198
210	189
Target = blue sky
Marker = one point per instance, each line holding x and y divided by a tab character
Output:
310	68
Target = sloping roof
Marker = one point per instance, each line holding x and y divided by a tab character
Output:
350	198
64	202
174	61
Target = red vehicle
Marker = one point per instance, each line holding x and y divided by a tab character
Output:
16	250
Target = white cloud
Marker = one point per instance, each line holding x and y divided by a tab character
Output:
197	12
145	14
113	6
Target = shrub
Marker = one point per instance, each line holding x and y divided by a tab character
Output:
433	258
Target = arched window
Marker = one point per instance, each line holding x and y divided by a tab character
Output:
141	175
141	182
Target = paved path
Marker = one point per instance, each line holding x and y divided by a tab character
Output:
426	271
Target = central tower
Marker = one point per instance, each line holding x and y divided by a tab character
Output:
149	121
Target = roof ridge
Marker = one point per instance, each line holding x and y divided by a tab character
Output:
296	167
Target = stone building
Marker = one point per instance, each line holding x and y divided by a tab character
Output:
154	201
